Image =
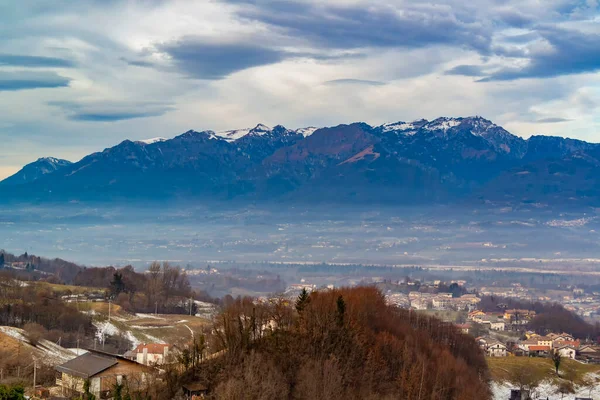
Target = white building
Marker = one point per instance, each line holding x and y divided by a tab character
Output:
152	353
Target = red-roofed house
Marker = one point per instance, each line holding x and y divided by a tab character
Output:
539	350
152	353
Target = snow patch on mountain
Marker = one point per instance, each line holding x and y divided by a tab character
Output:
442	124
153	140
306	132
407	128
232	136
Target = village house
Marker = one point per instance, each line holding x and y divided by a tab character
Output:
475	315
567	351
544	341
518	317
152	353
491	347
495	349
560	337
541	343
492	322
541	351
464	328
102	371
589	354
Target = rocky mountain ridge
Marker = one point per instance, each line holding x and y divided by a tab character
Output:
442	160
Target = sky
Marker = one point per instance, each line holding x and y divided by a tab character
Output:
79	76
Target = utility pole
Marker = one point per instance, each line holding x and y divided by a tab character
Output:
34	374
156	308
109	309
190	306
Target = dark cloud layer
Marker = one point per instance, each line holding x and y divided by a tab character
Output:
33	61
201	60
344	27
572	52
112	111
24	80
552	120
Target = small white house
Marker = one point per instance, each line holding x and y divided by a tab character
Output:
151	353
567	352
496	349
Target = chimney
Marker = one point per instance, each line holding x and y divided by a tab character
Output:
145	358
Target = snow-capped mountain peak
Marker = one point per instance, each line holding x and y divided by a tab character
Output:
261	128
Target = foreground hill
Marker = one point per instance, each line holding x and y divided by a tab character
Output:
341	344
538	375
439	161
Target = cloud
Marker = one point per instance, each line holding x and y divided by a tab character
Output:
138	63
26	80
360	26
204	60
112	111
552	120
466	70
354	82
33	61
514	18
564	52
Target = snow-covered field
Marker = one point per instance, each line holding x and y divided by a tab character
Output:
546	390
44	351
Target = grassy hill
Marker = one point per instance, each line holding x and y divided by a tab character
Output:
539	369
149	328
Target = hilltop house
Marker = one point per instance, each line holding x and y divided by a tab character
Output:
102	371
152	353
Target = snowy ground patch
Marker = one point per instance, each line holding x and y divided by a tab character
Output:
546	390
141	315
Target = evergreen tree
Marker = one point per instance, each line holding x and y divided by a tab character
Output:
1	260
12	393
117	392
86	391
302	300
117	285
556	358
341	310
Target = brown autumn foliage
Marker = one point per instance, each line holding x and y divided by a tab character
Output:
341	344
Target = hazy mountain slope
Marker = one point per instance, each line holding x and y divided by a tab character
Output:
35	170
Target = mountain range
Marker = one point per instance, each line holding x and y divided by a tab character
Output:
439	161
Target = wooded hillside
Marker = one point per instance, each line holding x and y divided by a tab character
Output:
341	344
